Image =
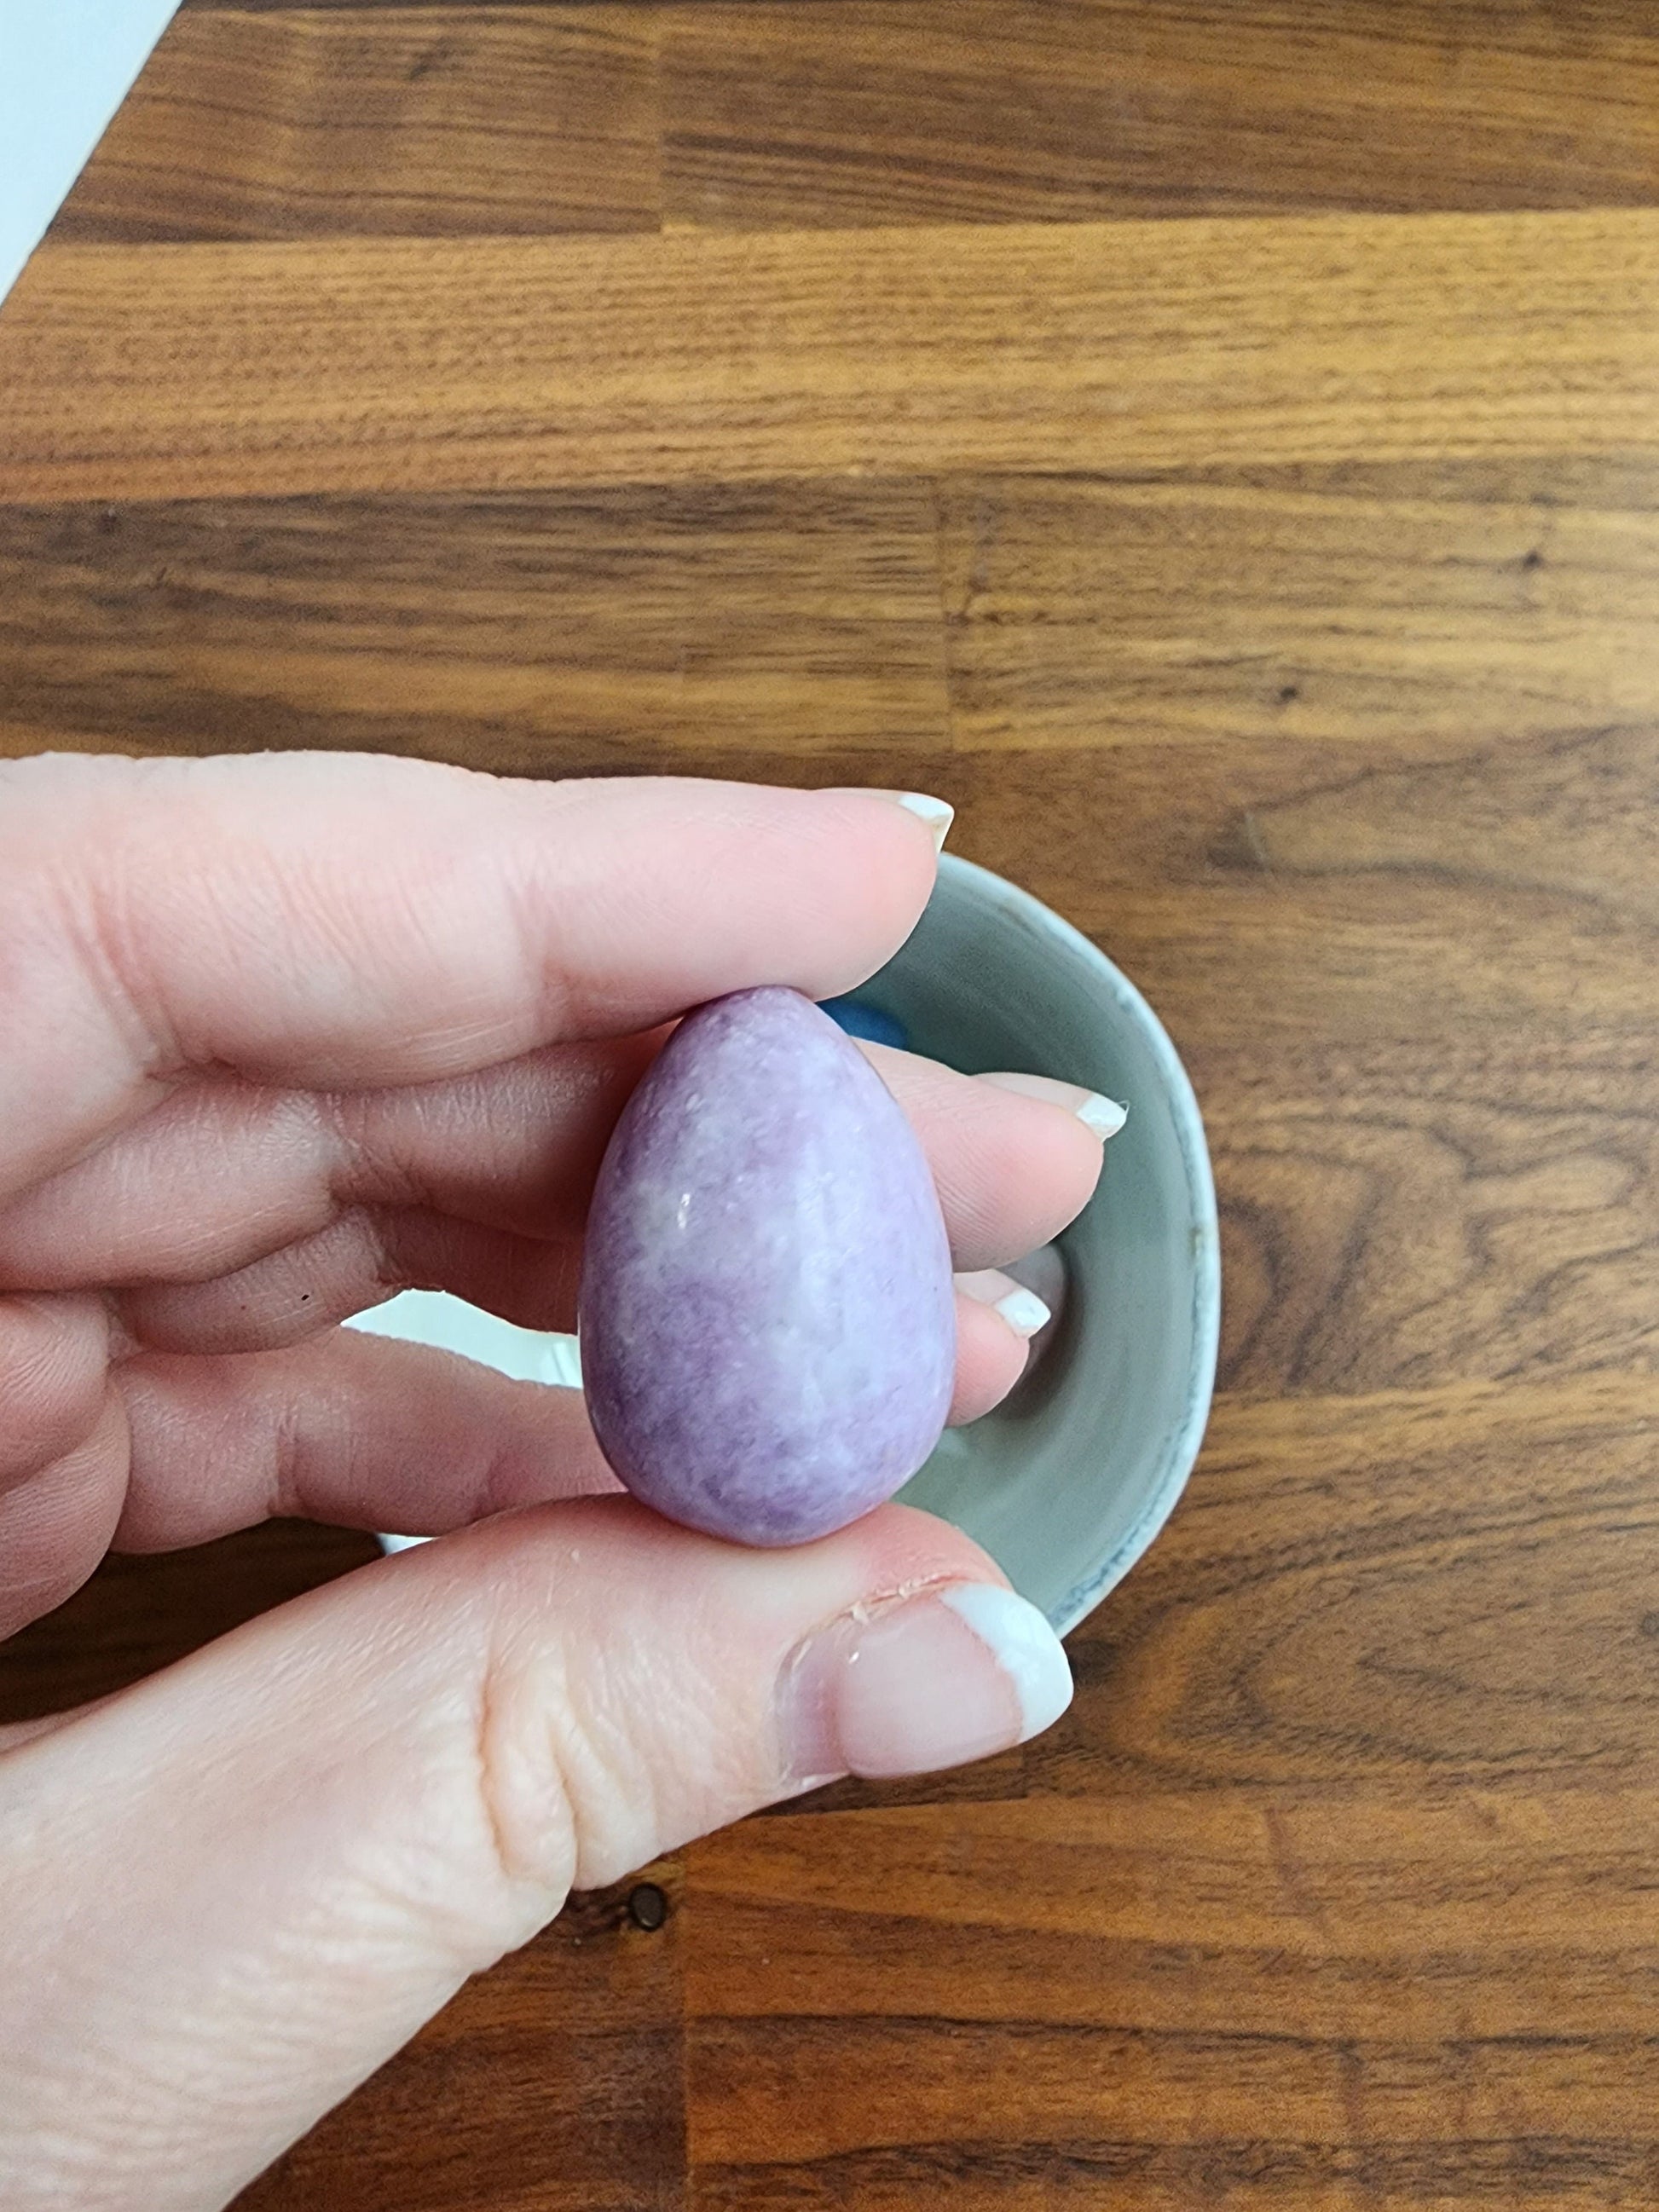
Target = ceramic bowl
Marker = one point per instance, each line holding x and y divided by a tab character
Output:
1068	1482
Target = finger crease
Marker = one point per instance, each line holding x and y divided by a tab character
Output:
104	943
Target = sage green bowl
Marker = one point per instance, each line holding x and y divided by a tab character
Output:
1066	1483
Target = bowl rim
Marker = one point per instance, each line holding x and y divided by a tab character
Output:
1182	1449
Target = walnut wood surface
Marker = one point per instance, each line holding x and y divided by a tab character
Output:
398	364
800	389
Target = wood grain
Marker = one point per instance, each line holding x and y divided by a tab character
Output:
840	111
407	121
139	1615
1452	1206
274	121
502	363
1331	1887
1339	1610
1209	870
610	624
1355	602
1391	1596
1273	592
565	2095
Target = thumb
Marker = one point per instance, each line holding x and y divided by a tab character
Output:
234	1890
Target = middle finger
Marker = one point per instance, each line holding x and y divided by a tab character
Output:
227	1174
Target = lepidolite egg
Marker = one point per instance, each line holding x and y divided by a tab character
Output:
767	1319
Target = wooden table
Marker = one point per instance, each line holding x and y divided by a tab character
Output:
1216	443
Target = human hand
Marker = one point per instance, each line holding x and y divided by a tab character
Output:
284	1035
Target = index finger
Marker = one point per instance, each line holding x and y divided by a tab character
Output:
335	920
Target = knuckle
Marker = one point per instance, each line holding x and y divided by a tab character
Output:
528	1816
567	1791
562	1786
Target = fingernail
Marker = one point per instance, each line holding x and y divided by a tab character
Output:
1045	1272
922	1680
1103	1116
938	813
1022	1308
935	812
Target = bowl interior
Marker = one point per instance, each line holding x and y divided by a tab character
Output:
1066	1483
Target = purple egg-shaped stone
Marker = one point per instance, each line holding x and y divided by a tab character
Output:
767	1319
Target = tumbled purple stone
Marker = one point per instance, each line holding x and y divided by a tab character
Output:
767	1319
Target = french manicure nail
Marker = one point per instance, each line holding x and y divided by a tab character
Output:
1102	1115
1045	1272
937	813
924	1679
1020	1307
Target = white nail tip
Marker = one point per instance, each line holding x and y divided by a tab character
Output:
1024	1312
1023	1644
1103	1116
935	812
